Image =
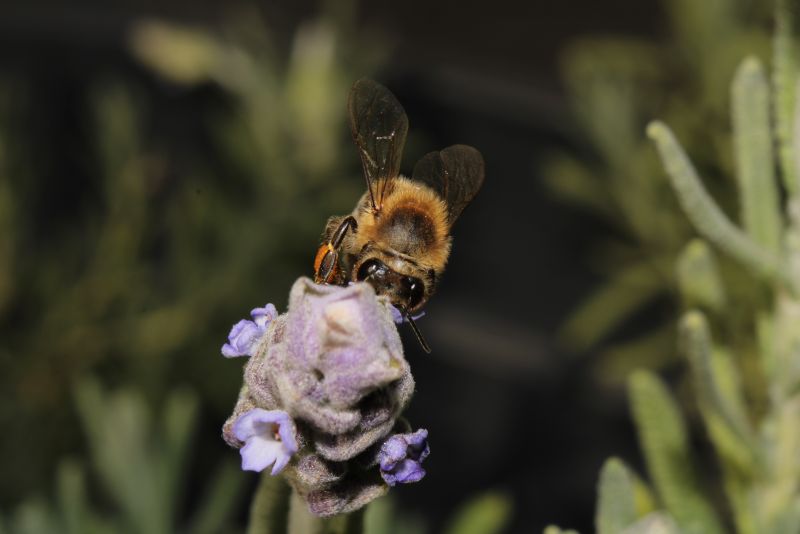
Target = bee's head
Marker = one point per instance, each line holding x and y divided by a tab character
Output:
408	290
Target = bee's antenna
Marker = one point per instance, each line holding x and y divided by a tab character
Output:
417	333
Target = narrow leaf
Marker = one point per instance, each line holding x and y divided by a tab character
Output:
716	391
664	440
784	78
71	497
178	420
699	278
487	514
629	290
755	165
223	494
705	214
655	523
552	529
616	502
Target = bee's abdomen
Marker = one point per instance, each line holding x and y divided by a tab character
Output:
408	230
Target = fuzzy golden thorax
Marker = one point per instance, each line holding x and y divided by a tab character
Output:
410	223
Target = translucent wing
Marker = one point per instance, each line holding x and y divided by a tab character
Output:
379	126
456	173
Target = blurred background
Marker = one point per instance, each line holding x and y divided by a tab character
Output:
167	166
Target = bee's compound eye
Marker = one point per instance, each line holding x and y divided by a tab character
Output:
370	268
415	290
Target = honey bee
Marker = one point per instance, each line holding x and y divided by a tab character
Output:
398	236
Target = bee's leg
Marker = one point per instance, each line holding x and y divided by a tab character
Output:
326	264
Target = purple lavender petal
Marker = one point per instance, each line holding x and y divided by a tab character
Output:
269	437
280	463
406	472
259	452
418	448
243	337
401	456
263	316
393	451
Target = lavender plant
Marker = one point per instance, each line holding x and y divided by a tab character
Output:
755	437
323	391
617	85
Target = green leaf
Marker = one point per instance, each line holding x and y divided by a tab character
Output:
664	440
655	523
380	518
629	290
34	517
718	390
573	182
784	79
755	166
181	55
552	529
486	514
616	502
121	435
698	277
179	418
223	493
71	497
706	216
648	350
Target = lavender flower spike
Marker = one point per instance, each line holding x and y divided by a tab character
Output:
401	457
245	335
269	437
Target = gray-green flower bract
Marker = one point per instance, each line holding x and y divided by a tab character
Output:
334	363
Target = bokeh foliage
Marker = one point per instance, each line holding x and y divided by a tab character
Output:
617	85
741	347
132	264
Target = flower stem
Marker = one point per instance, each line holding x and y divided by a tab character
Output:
269	511
352	523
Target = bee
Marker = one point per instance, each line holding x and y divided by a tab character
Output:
398	236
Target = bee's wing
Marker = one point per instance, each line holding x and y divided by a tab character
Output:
456	173
379	126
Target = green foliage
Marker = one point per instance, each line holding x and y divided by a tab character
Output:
699	279
664	440
552	529
655	523
381	517
784	70
485	514
616	501
752	134
141	465
618	85
706	215
275	509
755	432
136	272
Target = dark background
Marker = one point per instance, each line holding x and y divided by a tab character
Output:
506	408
